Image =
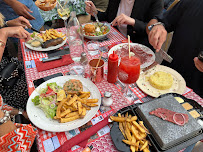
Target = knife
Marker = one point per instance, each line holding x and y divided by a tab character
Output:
150	67
34	29
51	59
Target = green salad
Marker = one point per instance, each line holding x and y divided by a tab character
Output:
47	99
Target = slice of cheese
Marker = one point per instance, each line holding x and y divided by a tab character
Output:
161	80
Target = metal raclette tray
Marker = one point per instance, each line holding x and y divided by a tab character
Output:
117	136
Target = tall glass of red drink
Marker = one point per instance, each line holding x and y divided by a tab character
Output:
129	71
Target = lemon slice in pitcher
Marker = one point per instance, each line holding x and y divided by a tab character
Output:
61	95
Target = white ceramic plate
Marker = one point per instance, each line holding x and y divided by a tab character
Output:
38	117
146	52
45	49
96	37
179	85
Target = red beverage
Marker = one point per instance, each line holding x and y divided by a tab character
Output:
129	69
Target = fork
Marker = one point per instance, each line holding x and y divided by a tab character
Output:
165	56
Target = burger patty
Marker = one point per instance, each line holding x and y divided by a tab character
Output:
73	86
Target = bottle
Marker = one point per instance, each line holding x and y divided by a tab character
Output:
112	68
75	37
107	100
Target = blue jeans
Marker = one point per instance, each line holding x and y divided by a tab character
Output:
10	14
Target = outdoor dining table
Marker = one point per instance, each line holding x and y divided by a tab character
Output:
101	141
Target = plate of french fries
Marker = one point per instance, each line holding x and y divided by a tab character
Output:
72	109
39	38
129	134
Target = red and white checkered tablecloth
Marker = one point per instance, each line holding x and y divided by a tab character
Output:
48	141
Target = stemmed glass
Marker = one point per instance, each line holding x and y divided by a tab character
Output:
129	71
63	11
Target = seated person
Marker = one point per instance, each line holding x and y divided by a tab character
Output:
17	95
130	16
186	15
12	9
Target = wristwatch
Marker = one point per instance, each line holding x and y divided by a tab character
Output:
151	26
5	118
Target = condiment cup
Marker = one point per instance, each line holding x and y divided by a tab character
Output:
96	73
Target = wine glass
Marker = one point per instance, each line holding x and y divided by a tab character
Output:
63	11
129	71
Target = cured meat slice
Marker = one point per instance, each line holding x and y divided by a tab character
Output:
171	116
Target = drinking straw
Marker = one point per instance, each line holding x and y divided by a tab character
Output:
98	63
99	60
129	45
60	6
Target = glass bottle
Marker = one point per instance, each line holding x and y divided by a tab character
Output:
75	37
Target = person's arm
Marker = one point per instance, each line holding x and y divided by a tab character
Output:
158	33
155	9
20	9
17	32
20	21
7	126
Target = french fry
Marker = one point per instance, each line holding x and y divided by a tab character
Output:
91	104
146	150
65	113
128	134
85	95
58	110
129	142
144	146
134	118
92	100
142	125
135	133
80	108
83	112
75	105
138	126
117	119
137	146
63	120
82	100
86	107
71	114
72	99
132	147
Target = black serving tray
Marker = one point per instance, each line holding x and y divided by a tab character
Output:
117	136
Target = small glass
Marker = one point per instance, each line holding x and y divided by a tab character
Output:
96	73
93	47
63	11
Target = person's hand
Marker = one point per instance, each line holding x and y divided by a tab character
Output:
90	8
22	10
20	21
123	19
17	32
198	64
157	36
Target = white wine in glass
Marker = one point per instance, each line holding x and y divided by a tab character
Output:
63	11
